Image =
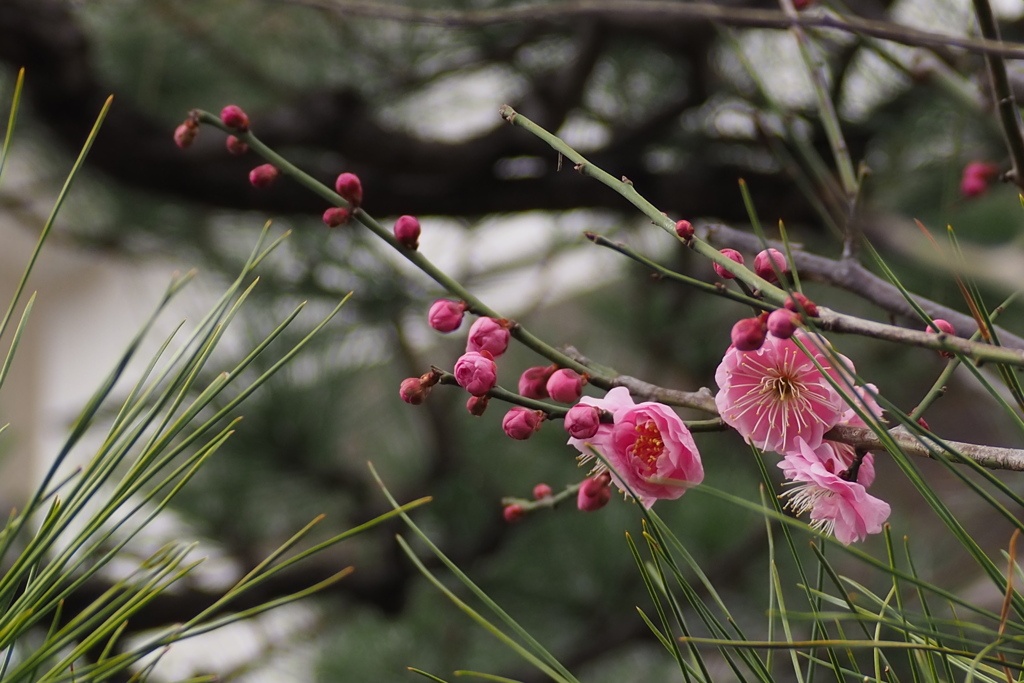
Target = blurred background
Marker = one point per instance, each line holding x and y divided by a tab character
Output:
674	104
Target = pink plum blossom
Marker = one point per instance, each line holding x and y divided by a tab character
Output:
476	372
838	506
650	442
648	448
488	334
776	395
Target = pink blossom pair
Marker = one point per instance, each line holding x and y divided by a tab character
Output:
784	398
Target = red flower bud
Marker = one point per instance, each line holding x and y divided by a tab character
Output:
413	390
541	491
782	323
335	216
796	301
731	254
582	421
407	231
185	134
976	177
533	382
594	493
476	405
939	325
235	146
233	117
763	267
684	229
520	423
488	334
476	372
748	334
565	385
262	176
945	327
513	513
446	315
350	188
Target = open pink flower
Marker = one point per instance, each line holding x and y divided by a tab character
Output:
838	506
776	395
649	441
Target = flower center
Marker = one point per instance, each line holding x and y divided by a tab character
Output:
781	386
648	446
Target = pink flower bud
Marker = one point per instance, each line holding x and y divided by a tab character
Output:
488	334
476	372
513	513
976	177
684	229
782	323
350	188
185	134
763	264
235	146
944	326
541	491
748	334
582	421
940	325
533	383
796	301
413	391
407	231
233	117
520	423
262	176
732	254
335	216
973	186
594	493
476	405
921	421
446	315
565	385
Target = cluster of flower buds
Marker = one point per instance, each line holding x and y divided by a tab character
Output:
940	326
976	177
749	334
